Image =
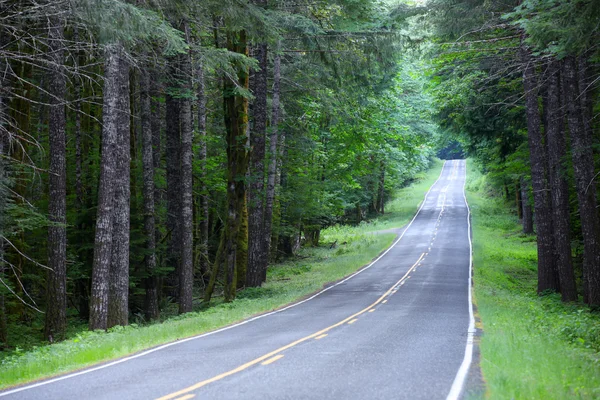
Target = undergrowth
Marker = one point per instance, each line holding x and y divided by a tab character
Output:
533	347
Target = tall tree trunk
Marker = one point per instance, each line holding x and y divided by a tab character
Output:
56	282
519	201
173	145
586	90
236	122
155	125
186	270
526	206
583	165
151	309
4	135
381	194
559	192
106	191
547	274
257	252
204	208
272	170
118	297
78	89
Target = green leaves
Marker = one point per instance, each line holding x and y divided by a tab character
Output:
115	21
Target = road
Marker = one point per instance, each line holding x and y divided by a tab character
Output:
400	328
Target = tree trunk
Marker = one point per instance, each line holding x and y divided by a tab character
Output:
56	282
118	297
4	135
381	194
257	252
526	207
519	201
151	309
106	191
558	186
547	275
186	270
272	170
204	208
583	165
173	193
236	122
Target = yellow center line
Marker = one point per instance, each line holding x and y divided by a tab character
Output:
321	336
353	321
350	319
272	360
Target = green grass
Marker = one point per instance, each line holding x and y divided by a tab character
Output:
532	347
286	283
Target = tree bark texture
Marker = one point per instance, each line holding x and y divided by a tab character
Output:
118	298
106	191
56	282
272	169
236	122
547	275
151	309
204	207
526	208
3	194
559	192
583	165
186	270
257	251
173	144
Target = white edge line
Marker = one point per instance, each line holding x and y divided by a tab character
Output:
164	346
461	375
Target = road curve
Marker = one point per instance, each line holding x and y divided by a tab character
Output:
400	328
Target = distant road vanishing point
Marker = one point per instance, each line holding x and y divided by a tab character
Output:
400	328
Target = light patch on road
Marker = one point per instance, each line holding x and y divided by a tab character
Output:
186	397
383	302
353	321
272	360
371	310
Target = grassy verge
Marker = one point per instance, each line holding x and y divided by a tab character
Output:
287	282
533	347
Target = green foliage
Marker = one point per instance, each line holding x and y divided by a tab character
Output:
116	21
558	27
533	347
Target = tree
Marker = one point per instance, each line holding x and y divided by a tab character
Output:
106	191
56	318
186	271
151	309
553	127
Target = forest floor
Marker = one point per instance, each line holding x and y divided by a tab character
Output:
287	282
532	347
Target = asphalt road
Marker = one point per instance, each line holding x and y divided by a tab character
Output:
398	329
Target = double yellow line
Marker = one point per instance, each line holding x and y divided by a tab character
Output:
316	335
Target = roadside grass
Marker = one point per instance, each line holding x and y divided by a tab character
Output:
287	282
533	347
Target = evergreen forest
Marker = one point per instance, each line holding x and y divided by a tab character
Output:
158	156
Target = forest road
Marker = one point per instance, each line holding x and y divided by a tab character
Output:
400	328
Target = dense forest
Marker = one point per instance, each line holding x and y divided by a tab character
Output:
154	154
516	84
157	153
